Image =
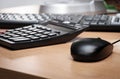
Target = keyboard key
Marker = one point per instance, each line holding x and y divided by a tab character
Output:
88	18
101	23
86	22
94	23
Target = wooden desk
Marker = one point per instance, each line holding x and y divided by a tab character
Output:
55	61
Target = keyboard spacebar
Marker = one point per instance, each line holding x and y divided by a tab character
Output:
19	21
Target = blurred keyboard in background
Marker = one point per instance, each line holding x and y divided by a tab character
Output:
95	22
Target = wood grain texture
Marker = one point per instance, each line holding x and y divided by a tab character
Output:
55	61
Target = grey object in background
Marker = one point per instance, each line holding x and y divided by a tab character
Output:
17	3
75	7
60	6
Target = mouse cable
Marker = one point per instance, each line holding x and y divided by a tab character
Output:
116	41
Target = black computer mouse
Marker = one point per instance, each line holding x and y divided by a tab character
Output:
91	49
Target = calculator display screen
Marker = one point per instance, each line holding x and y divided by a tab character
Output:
59	28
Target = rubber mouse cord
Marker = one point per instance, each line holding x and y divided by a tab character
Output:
116	41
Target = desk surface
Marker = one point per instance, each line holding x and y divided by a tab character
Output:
56	62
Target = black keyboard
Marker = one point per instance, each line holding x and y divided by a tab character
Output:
53	32
102	23
96	22
14	20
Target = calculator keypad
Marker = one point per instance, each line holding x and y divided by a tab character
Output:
32	32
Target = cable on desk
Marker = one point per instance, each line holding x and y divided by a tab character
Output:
116	41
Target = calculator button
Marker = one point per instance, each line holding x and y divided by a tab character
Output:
19	38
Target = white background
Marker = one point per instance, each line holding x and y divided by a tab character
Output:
13	3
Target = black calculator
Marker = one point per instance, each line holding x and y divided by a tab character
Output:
53	32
